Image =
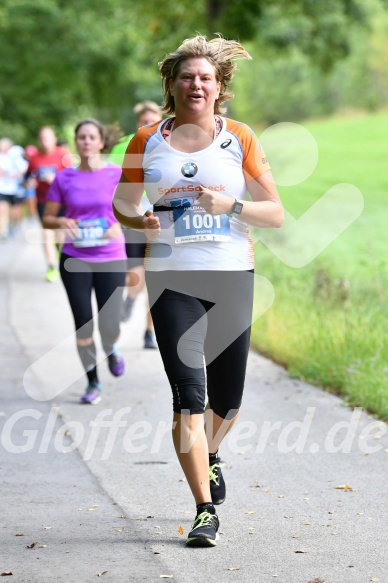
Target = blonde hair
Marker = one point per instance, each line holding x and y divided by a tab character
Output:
143	106
218	51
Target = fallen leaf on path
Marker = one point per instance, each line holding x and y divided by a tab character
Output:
4	573
307	522
301	551
181	530
101	574
317	580
18	534
32	545
345	487
166	576
233	568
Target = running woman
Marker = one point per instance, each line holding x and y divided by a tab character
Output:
147	112
196	168
42	168
93	256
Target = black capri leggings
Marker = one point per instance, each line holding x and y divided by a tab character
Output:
135	247
107	280
202	323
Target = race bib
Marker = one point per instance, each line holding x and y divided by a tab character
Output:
193	224
44	171
91	233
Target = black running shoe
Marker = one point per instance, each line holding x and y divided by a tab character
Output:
204	530
217	482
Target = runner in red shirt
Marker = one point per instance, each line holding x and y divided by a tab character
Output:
42	168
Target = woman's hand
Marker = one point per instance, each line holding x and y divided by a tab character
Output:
69	227
49	177
215	203
31	183
113	232
151	225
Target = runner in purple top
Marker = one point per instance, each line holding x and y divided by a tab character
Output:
93	256
87	197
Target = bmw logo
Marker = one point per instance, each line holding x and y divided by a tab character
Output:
189	169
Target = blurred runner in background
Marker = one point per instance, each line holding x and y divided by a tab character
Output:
12	169
42	168
147	112
93	255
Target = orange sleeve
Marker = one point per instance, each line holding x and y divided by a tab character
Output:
132	166
254	159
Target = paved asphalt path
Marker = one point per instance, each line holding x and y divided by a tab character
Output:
90	491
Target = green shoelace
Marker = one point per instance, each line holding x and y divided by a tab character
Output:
213	475
202	519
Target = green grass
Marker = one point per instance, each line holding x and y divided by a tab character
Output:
328	324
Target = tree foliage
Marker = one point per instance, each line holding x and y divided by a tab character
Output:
60	59
57	57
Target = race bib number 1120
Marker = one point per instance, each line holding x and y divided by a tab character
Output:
91	233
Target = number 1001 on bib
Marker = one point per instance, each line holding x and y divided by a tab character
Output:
193	224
